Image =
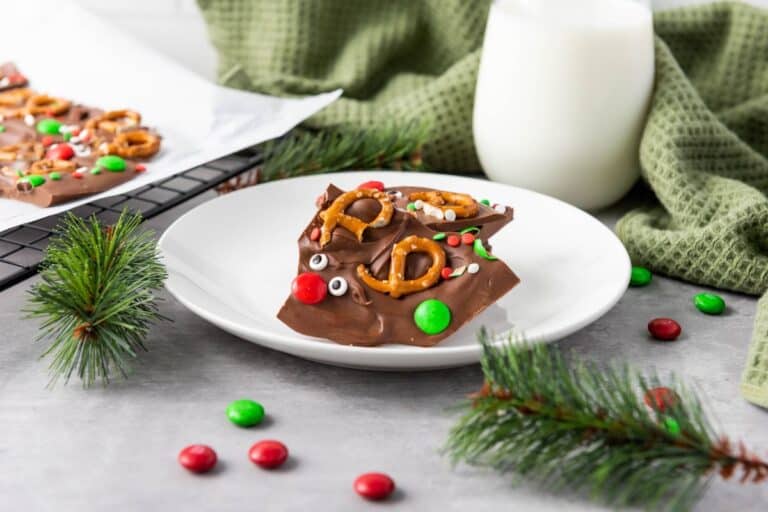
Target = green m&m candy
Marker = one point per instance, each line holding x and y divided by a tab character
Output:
640	276
245	413
112	163
33	179
432	316
48	126
55	176
709	303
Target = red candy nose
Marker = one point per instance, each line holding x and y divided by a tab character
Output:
309	288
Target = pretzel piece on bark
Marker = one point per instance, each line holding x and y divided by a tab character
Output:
114	121
43	104
12	101
47	166
132	144
334	215
22	151
396	285
463	205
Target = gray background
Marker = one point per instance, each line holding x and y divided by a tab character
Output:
70	449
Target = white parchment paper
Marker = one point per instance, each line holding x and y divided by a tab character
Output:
66	51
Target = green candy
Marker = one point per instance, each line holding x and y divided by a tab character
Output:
470	229
640	276
96	170
481	251
485	202
709	303
411	207
67	136
2	128
112	163
33	179
55	176
439	236
432	316
48	126
245	413
672	426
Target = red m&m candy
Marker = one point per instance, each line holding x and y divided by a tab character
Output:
664	329
268	454
309	288
374	486
60	152
453	240
198	458
373	184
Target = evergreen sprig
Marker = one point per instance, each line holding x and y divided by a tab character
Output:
579	426
96	296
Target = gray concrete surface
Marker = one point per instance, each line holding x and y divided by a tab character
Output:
70	449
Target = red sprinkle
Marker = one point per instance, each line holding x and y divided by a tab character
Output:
467	238
47	140
198	458
60	152
446	272
140	167
374	486
268	454
50	113
373	184
453	240
16	78
660	398
77	175
309	288
76	132
664	329
314	235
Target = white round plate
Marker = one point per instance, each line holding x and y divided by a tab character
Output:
231	261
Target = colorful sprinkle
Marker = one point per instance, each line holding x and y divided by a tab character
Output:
140	167
470	229
55	176
112	163
268	454
245	413
453	240
2	128
709	303
473	268
672	426
439	236
640	276
419	204
459	271
664	329
48	126
446	273
411	207
432	316
77	175
499	208
96	171
374	486
67	137
314	235
198	458
468	239
660	398
46	140
29	120
485	202
481	251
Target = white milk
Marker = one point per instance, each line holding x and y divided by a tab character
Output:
562	94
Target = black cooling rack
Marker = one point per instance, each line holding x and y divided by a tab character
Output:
22	247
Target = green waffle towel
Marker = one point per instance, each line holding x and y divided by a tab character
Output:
704	151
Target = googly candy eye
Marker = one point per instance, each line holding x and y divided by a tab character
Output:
318	262
338	286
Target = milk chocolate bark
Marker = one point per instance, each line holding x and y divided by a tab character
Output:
53	151
367	317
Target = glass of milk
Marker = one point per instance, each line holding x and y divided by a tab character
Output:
562	94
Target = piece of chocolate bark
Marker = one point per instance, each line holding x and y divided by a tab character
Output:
53	151
10	77
382	266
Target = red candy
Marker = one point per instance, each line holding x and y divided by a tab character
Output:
660	398
453	240
268	454
467	238
77	175
664	329
374	185
198	458
374	486
60	152
314	235
47	140
309	288
446	272
140	167
16	78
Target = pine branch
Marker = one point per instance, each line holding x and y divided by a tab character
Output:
306	152
96	296
586	428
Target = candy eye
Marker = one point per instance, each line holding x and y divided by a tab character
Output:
338	286
318	262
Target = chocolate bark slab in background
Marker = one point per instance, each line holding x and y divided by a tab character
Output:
10	77
365	317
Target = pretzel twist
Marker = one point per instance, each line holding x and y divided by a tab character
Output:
396	285
334	215
38	104
47	166
133	144
114	121
463	205
22	151
12	102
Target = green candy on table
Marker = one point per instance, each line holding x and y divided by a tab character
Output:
48	126
709	303
245	413
640	276
112	163
432	316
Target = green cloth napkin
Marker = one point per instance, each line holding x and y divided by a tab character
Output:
704	151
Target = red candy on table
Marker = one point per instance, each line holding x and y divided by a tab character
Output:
373	184
374	486
664	329
60	152
453	240
309	288
660	398
268	454
198	458
467	238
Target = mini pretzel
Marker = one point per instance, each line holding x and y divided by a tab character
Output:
334	215
115	121
47	166
133	144
396	285
12	102
463	205
22	151
48	105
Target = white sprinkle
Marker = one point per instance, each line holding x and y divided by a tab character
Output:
81	170
459	271
419	204
104	147
84	133
29	119
75	140
397	194
2	118
4	82
499	208
433	211
473	268
67	128
54	146
81	150
450	215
